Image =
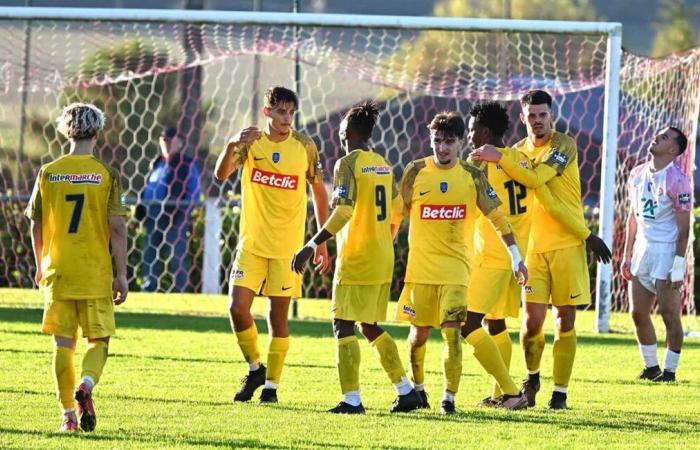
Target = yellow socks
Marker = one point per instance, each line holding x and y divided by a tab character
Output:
505	348
417	357
452	358
94	360
532	347
276	354
248	342
487	354
388	354
348	363
64	375
564	352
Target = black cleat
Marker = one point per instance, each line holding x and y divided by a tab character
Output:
490	402
530	388
268	395
249	384
649	373
447	408
665	377
406	403
558	401
347	408
424	400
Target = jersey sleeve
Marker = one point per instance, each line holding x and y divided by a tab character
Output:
314	173
486	198
33	210
562	153
344	184
116	204
554	207
530	178
680	192
406	186
397	205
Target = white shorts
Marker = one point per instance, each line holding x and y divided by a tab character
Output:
652	261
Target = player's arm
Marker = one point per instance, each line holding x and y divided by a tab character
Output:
488	202
314	176
342	202
235	153
680	197
397	207
600	250
117	239
33	212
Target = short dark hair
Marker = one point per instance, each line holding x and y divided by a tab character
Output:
681	140
279	94
450	123
169	132
362	117
491	115
536	97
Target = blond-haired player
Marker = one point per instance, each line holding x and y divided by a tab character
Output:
76	213
364	196
276	162
556	253
442	195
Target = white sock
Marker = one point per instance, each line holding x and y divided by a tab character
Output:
419	387
648	353
561	389
352	398
254	366
68	411
87	379
671	360
270	385
403	387
448	396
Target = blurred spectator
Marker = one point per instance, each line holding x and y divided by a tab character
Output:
171	192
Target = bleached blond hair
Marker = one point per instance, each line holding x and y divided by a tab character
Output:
80	121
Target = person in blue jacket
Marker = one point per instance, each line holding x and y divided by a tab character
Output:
172	191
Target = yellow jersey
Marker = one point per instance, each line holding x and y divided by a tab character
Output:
364	180
489	250
273	193
548	233
442	205
73	198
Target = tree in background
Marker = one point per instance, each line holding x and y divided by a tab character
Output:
675	31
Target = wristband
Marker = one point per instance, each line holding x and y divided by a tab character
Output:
678	269
515	257
312	245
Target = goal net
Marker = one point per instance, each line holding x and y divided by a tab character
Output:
205	73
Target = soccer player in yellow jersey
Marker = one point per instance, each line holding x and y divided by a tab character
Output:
363	199
76	214
442	195
275	164
556	251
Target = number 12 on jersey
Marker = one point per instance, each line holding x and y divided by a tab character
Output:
514	198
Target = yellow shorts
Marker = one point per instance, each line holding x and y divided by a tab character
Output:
252	271
559	277
431	305
94	317
360	302
494	292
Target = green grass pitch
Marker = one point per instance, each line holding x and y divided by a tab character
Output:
174	366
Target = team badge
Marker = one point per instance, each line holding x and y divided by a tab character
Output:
341	191
559	158
275	157
443	186
523	164
491	193
528	289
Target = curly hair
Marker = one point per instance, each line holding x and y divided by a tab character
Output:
362	118
80	121
491	115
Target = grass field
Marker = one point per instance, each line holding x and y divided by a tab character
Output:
174	366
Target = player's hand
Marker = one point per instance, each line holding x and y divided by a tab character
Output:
675	284
301	257
600	250
486	153
627	269
246	136
37	276
323	263
120	289
521	274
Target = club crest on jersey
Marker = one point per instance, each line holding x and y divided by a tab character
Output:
523	164
684	198
528	289
443	186
275	157
75	178
341	191
490	193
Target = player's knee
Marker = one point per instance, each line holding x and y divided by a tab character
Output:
343	328
417	337
237	309
61	341
495	327
370	331
669	316
639	317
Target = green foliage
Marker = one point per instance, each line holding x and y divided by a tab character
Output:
675	31
170	378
